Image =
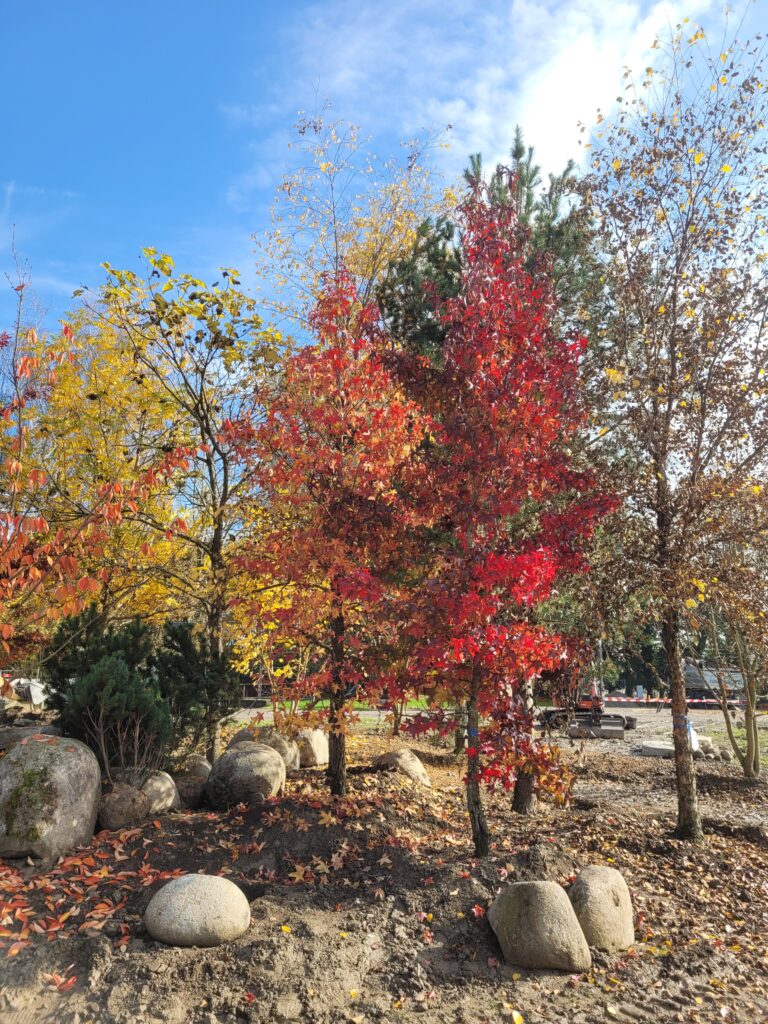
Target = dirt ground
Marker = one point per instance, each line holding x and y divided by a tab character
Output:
372	908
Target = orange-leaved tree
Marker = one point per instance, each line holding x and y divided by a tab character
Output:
335	461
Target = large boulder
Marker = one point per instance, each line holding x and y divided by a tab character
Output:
197	765
197	910
601	900
287	748
536	927
241	736
407	763
191	790
313	748
249	773
13	734
50	790
162	793
123	807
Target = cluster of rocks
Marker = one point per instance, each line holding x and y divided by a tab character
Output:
708	751
539	925
51	793
702	748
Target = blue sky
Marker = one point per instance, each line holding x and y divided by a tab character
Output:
167	124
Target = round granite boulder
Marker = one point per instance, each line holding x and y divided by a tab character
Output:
603	906
249	773
50	791
162	793
536	927
122	807
197	910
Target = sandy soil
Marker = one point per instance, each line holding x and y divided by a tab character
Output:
372	909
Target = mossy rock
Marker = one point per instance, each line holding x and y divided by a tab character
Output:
50	788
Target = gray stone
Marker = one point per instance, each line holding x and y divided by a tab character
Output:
706	744
162	793
191	790
583	730
14	734
657	748
698	755
242	736
50	790
123	807
601	900
197	910
287	748
407	763
726	754
249	773
536	927
313	747
197	765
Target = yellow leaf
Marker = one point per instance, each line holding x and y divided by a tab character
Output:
662	309
698	158
286	929
616	164
726	168
690	603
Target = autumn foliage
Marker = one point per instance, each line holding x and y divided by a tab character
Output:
510	510
335	461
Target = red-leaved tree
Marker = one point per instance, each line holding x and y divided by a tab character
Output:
509	511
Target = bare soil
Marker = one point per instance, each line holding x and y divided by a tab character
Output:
372	908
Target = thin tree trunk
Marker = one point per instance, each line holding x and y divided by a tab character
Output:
480	832
688	820
524	800
460	732
337	739
213	741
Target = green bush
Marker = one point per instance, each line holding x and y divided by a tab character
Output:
124	718
103	684
200	685
107	681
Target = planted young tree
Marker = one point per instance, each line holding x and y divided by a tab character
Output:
201	686
739	647
334	459
509	511
679	195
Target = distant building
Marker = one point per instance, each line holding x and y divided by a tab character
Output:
701	681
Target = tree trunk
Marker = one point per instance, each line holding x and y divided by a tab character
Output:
460	732
213	741
688	820
480	833
524	800
215	626
337	739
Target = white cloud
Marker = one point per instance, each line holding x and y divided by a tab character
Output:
402	66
